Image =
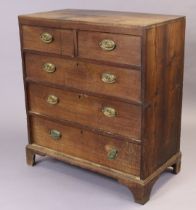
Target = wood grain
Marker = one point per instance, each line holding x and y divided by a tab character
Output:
86	76
87	145
127	51
67	42
107	21
62	40
148	62
163	94
86	110
34	68
140	188
31	39
122	177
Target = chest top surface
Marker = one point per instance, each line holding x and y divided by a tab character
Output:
127	20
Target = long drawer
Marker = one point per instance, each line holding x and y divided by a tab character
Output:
98	113
83	144
101	79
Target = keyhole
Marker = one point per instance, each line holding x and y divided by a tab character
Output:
81	131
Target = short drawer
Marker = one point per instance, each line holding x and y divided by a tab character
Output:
48	40
101	79
119	155
116	48
97	113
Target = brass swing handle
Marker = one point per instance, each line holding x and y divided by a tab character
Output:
47	38
52	99
55	134
109	111
108	78
107	44
49	67
112	154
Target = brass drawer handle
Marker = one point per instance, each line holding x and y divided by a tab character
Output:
109	112
52	99
46	38
49	67
55	134
112	154
107	44
108	78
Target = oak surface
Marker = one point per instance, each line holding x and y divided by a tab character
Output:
148	63
126	51
86	110
63	40
163	91
87	145
105	17
86	76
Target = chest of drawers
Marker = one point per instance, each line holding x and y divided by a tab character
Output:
104	92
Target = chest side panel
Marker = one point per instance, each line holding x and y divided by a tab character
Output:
162	83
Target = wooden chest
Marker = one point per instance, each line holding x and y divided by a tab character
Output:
104	92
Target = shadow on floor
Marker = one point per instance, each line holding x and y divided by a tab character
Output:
98	180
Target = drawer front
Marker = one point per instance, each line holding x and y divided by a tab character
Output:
111	116
123	49
86	145
48	68
48	40
107	80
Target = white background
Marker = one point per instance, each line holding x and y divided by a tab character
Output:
54	185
